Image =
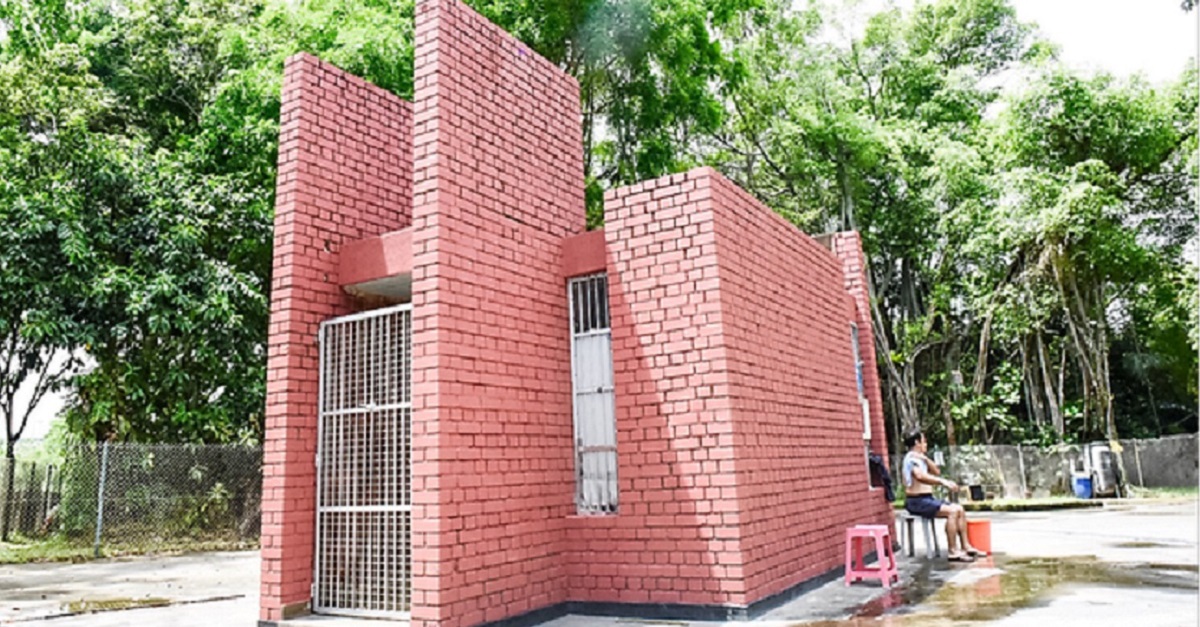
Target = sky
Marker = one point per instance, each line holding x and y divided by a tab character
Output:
1123	37
1154	38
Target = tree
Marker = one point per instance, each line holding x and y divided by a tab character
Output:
646	73
47	101
1088	159
170	177
896	129
177	195
878	132
1027	271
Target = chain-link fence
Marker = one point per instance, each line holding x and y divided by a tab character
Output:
134	496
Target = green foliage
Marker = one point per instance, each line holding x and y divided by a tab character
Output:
137	154
47	103
646	72
992	409
1027	245
76	513
1018	238
206	511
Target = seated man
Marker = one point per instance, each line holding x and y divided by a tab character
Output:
920	475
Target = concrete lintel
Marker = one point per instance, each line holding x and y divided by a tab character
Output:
378	266
583	253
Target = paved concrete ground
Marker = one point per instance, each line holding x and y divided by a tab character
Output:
1124	564
201	585
1121	565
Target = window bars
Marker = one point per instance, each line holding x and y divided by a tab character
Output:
858	376
364	505
592	385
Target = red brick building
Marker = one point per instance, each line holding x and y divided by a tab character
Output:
478	412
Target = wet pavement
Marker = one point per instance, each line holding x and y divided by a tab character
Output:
1059	591
1125	564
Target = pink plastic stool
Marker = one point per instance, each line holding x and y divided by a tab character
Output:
886	570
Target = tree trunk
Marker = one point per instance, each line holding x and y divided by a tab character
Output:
1053	397
1033	398
903	395
10	473
951	397
846	201
1104	391
979	382
908	290
1086	314
1062	381
1137	348
1076	313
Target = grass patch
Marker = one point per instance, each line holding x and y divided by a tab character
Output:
58	549
1031	505
24	551
1066	502
1022	505
1164	493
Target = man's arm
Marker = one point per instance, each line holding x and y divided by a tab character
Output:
927	478
933	468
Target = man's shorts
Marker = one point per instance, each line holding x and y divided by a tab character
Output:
923	505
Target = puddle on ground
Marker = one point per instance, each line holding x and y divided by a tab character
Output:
995	587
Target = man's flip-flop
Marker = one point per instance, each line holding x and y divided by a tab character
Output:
960	558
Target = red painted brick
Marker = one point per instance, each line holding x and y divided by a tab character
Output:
501	178
739	435
369	133
769	366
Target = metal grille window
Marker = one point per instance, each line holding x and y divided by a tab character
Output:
858	376
863	404
858	365
364	492
592	382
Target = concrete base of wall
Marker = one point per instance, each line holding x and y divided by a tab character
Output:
290	611
644	611
673	611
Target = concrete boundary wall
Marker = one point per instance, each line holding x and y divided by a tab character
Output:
1012	471
1169	462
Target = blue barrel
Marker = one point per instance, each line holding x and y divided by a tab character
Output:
1082	485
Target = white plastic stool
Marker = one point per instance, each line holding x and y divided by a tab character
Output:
906	535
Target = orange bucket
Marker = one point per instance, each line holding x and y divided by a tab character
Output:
979	534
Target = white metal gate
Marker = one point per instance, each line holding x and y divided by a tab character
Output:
364	495
592	380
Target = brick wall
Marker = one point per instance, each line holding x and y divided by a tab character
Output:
739	437
739	432
344	174
675	538
797	422
499	184
847	247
